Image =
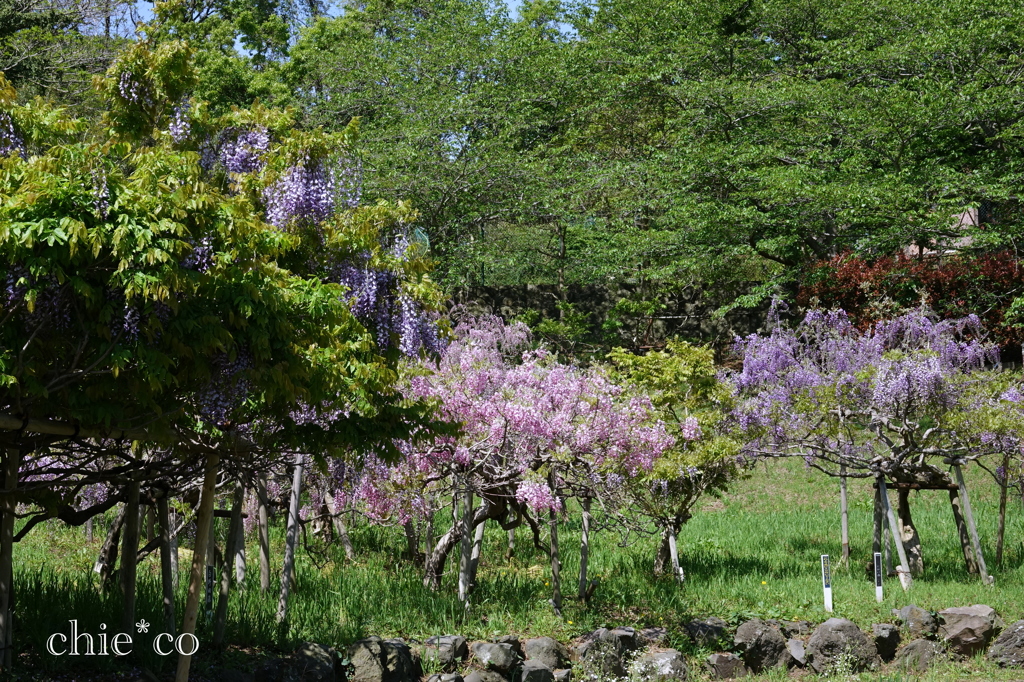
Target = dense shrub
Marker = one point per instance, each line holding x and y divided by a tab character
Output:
952	286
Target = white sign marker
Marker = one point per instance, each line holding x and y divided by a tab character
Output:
826	581
878	577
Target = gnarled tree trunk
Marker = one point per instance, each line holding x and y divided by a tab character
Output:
908	533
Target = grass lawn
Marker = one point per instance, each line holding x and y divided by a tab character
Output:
754	552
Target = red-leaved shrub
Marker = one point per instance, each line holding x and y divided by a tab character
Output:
952	286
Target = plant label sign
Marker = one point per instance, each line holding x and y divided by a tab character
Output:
826	581
209	591
878	577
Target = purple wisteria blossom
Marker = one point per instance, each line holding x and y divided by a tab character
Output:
227	389
244	151
303	195
101	193
180	126
10	141
690	429
200	258
132	89
883	400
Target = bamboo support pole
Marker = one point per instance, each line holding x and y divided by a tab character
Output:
203	528
904	570
291	539
971	527
584	550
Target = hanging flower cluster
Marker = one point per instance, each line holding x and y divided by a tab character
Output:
180	126
244	151
303	195
10	141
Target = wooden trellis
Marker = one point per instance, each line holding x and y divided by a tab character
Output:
899	524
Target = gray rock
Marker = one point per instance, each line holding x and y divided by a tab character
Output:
1008	649
548	651
969	629
514	642
627	637
314	663
499	657
536	671
376	660
447	650
661	666
707	632
839	644
484	676
918	622
601	653
917	656
887	640
563	675
652	635
796	628
797	654
760	645
726	667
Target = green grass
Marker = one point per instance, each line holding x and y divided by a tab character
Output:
754	552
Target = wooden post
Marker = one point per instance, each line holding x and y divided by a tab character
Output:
205	515
346	542
474	559
412	542
130	556
971	527
240	557
908	533
166	575
12	463
291	538
9	636
961	529
510	551
108	551
172	523
584	551
428	530
878	522
844	517
230	550
89	531
211	566
1001	528
465	555
263	531
556	565
880	541
673	552
904	570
